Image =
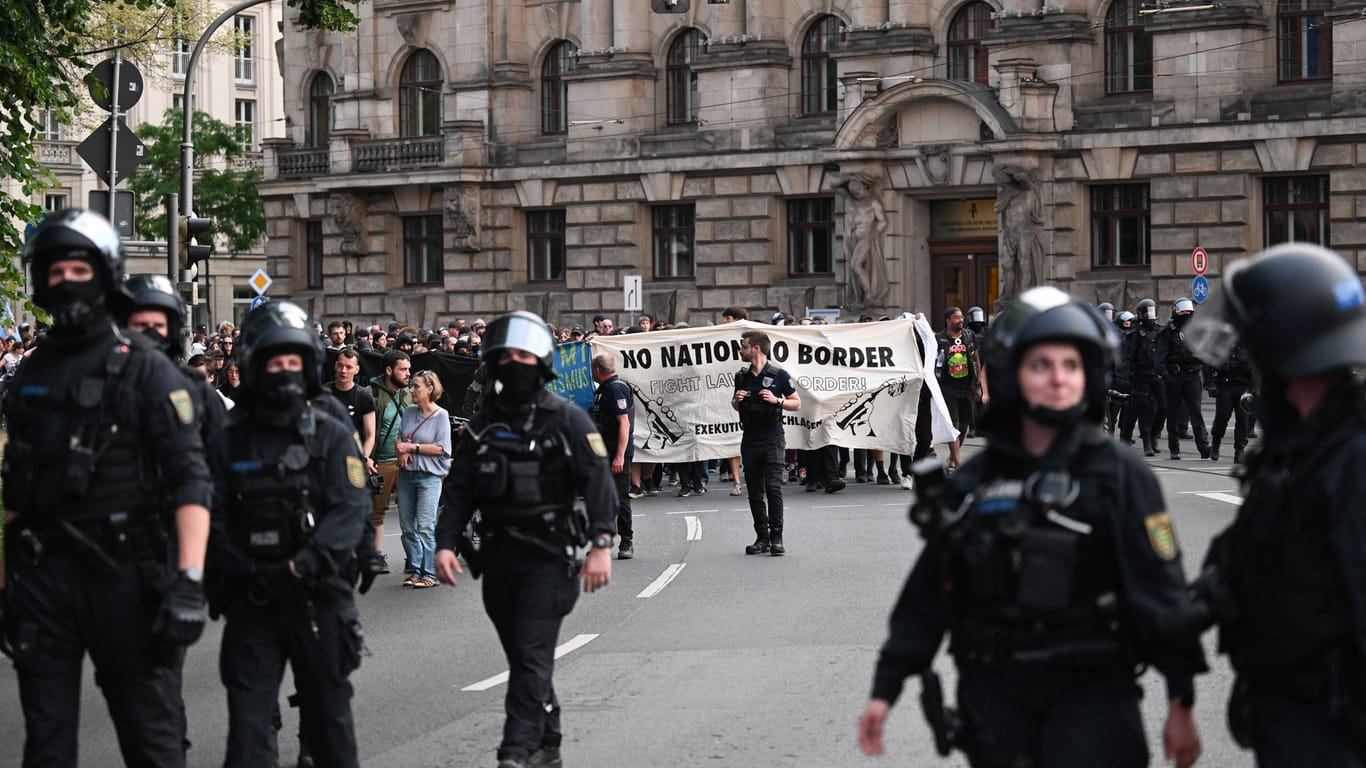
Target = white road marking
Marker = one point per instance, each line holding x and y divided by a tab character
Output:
691	511
1227	498
576	642
694	528
841	506
660	583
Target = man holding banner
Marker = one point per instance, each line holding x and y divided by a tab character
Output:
762	392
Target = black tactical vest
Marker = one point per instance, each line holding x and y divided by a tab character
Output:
98	466
523	478
270	502
1029	582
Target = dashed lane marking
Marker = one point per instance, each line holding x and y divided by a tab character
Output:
840	506
691	511
576	642
660	583
1227	498
694	528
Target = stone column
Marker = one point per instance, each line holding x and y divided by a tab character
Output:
867	13
595	24
631	25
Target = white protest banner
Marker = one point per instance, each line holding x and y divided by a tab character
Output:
859	385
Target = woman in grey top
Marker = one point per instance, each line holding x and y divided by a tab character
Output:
424	458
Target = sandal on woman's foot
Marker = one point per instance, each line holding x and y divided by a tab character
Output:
411	581
423	582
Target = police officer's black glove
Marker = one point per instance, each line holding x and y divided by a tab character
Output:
184	612
1211	593
368	566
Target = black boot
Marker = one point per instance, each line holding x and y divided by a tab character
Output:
545	757
775	543
760	546
1149	447
1213	451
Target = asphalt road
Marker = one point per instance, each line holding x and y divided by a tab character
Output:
696	655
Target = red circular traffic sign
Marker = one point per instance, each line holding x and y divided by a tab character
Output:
1199	260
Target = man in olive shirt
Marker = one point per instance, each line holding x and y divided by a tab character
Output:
391	399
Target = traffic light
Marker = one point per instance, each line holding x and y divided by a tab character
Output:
193	229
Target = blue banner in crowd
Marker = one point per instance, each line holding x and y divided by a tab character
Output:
573	361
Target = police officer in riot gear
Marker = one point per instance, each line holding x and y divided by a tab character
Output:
530	454
1138	355
106	493
1180	371
1287	580
977	320
1227	384
290	506
1122	385
1107	311
1051	563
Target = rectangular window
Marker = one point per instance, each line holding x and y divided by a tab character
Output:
1296	210
1120	226
811	236
244	49
55	202
246	123
674	243
545	245
52	125
180	56
422	251
313	253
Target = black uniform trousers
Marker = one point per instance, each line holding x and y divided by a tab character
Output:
763	462
1226	404
1047	716
1145	401
64	607
622	481
527	594
321	641
1287	733
1183	397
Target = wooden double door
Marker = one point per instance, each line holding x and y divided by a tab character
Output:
964	274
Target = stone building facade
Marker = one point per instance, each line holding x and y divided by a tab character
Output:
455	157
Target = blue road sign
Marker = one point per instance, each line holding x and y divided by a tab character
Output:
1200	289
262	299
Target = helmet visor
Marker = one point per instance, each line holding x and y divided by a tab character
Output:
1212	333
525	334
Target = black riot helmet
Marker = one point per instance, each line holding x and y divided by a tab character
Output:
156	292
977	319
1107	310
1045	314
1298	309
1146	311
1183	306
76	233
280	327
520	330
1125	320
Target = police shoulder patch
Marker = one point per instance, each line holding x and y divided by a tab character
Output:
1160	535
184	406
355	471
595	442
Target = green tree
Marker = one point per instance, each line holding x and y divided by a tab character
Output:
46	49
221	191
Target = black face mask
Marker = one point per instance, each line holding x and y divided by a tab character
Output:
1053	417
516	383
75	305
282	389
163	343
1180	320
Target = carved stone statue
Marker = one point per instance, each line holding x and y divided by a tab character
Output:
865	227
1020	212
461	204
349	214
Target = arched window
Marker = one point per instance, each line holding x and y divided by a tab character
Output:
819	73
967	55
554	90
1128	50
320	110
419	96
1304	40
681	79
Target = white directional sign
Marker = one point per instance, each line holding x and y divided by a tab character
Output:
634	290
260	281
